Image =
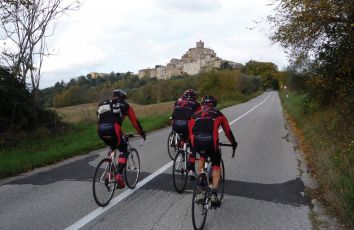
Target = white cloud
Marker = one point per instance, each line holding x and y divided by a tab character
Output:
117	35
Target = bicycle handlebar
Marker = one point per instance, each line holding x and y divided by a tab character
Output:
130	135
229	145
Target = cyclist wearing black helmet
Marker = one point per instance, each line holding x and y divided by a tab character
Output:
111	114
184	108
203	128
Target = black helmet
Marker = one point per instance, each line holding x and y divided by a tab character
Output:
209	101
190	94
120	94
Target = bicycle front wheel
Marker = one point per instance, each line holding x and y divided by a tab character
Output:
172	145
200	202
180	171
103	185
132	169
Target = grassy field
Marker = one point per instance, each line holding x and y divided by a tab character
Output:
81	137
327	140
87	112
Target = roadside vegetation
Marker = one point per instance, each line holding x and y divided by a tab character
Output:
319	93
74	140
71	130
327	139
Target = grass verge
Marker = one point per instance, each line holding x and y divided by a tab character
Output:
327	140
80	139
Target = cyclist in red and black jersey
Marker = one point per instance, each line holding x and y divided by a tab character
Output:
111	114
184	108
203	128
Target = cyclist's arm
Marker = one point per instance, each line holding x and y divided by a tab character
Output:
226	127
135	122
191	123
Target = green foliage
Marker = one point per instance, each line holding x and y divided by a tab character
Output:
225	84
79	139
267	70
320	40
19	112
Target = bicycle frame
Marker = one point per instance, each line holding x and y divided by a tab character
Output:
113	156
186	155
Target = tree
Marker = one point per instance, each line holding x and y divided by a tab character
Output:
320	39
25	27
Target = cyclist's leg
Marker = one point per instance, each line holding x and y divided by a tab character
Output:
200	148
215	158
122	160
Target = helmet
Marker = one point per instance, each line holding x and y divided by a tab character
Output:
209	101
120	94
190	94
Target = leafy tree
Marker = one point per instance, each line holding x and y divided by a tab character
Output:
320	39
18	111
25	24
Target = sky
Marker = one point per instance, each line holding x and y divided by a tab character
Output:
120	36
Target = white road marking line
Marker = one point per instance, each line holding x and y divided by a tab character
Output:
88	218
230	123
85	220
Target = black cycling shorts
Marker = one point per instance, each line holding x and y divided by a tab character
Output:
204	145
181	127
112	136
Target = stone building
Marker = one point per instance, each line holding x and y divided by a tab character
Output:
192	62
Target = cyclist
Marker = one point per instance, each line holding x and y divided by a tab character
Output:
184	108
111	114
203	127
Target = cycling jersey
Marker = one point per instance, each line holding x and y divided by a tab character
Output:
204	132
111	115
182	113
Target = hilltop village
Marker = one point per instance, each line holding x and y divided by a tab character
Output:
192	62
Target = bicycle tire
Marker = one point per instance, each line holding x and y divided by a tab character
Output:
133	163
171	148
103	191
200	188
180	175
221	187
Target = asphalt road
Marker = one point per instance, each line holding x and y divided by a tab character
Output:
263	188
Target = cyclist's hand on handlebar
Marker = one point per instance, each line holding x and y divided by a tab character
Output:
234	146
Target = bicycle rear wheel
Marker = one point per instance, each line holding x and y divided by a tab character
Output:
132	169
172	145
200	202
103	185
180	171
221	187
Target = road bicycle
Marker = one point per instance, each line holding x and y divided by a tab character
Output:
173	144
180	169
104	183
201	201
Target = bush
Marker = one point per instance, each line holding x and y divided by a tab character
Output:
19	113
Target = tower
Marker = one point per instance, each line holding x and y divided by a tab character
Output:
200	44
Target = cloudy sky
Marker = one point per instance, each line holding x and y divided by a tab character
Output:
121	36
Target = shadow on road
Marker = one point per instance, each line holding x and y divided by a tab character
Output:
289	192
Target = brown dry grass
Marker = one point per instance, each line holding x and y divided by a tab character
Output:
87	112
